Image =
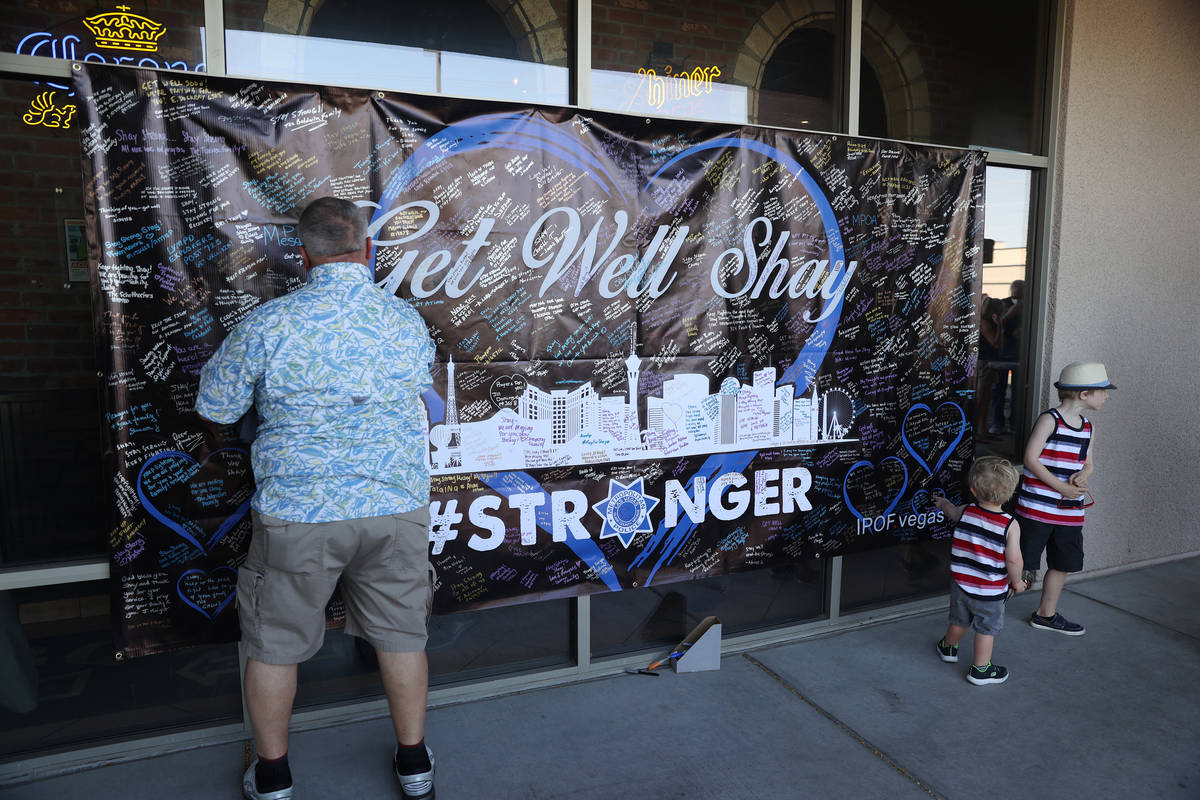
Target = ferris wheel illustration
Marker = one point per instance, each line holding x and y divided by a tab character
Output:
837	414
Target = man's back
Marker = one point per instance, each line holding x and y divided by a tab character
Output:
337	368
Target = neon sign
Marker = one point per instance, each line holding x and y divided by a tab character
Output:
43	111
675	87
120	30
114	30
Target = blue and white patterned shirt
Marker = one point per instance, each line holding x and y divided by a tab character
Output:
336	370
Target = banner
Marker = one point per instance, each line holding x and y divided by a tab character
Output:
666	350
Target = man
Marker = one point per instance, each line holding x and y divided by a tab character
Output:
1009	357
335	370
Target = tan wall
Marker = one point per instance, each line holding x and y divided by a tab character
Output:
1125	278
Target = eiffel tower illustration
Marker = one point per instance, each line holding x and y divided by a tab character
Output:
454	445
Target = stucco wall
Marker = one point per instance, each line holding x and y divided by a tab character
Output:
1126	276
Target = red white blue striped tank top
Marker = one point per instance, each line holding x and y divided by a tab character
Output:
977	552
1065	453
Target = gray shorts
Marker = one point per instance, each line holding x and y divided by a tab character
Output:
983	616
293	567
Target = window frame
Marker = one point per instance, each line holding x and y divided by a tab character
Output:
1042	248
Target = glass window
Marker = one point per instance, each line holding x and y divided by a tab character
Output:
158	34
467	646
50	469
905	571
60	685
662	615
911	570
954	73
1000	393
470	48
496	641
764	61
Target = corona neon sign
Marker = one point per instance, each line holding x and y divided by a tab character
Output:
114	30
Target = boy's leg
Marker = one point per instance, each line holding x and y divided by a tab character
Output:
1052	587
983	649
988	620
960	618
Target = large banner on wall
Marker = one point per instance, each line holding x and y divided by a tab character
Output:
666	350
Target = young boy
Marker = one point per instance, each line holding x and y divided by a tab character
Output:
1058	461
985	561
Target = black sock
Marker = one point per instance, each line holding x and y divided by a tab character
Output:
412	758
273	774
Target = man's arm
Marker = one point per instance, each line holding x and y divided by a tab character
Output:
227	381
424	351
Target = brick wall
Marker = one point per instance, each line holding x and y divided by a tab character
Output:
45	321
700	34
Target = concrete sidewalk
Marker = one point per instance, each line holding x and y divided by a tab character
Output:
867	713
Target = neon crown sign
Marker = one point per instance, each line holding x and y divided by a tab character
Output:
120	30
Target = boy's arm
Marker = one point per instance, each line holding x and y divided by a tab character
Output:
1080	478
1013	560
1033	448
952	512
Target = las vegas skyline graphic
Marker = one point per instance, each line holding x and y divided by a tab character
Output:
577	426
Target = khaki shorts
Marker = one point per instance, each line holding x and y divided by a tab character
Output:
293	567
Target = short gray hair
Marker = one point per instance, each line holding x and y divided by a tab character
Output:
330	226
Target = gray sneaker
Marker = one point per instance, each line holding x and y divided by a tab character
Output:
1058	623
250	787
418	785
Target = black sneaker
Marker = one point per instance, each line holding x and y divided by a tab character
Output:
989	673
948	652
1058	623
416	785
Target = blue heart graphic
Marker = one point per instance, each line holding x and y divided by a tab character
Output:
895	501
188	529
923	498
945	455
202	589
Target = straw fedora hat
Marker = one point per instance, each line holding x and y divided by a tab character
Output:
1082	375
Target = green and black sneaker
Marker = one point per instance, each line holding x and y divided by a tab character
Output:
988	673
